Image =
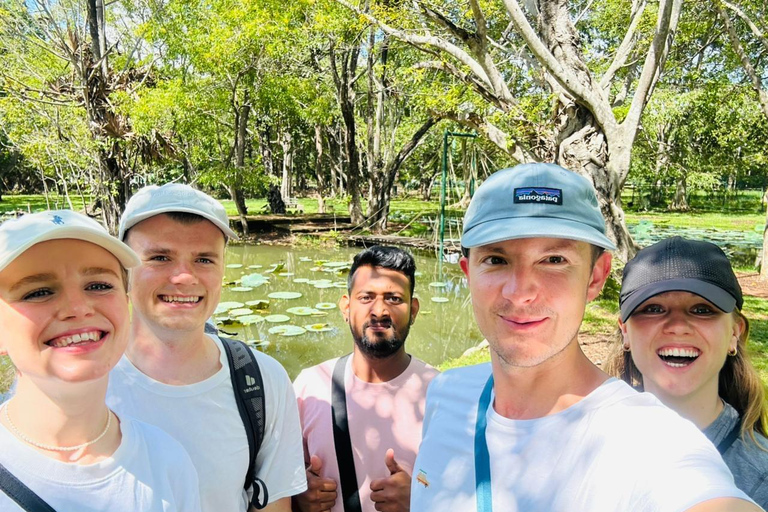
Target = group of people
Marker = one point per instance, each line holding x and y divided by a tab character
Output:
140	410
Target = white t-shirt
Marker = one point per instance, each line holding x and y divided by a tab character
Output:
614	451
204	418
380	415
149	472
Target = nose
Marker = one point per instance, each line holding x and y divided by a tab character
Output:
76	304
677	322
519	286
379	308
183	273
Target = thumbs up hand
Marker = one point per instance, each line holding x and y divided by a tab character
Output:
320	495
393	493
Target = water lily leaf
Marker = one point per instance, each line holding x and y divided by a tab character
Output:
240	312
337	264
301	280
325	305
276	319
324	285
250	319
315	269
285	274
318	327
259	304
241	288
223	307
255	266
258	343
254	280
287	330
440	299
418	273
302	311
235	265
304	259
284	295
438	284
276	267
340	284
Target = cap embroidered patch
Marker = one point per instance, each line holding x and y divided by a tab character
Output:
539	195
56	219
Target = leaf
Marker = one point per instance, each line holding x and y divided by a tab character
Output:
325	305
302	311
254	280
250	319
318	328
276	319
438	284
259	304
223	307
287	330
440	299
241	288
240	312
235	265
284	295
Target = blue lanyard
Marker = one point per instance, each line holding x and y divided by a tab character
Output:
482	457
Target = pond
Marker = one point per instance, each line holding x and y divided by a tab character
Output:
309	328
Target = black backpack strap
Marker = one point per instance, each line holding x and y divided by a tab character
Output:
726	443
21	494
348	479
249	395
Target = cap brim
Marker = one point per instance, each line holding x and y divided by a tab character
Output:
514	228
146	215
121	251
712	293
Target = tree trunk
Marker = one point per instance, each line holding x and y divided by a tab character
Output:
265	148
241	135
680	201
286	142
319	169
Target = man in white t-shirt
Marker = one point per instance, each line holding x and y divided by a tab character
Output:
176	376
380	389
541	428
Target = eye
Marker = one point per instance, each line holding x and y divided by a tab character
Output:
159	257
364	298
40	293
207	261
99	287
650	309
555	260
395	300
702	309
494	260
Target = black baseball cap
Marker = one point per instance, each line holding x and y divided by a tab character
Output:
677	264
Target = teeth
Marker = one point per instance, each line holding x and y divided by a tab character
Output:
179	298
65	341
679	352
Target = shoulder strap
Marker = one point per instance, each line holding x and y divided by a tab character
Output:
21	494
249	395
347	477
726	443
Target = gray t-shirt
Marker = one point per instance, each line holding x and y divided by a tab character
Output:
747	462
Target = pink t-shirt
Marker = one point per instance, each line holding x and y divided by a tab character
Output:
380	415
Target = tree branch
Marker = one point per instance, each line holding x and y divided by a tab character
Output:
622	53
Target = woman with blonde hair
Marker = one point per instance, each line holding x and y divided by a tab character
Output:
65	319
684	340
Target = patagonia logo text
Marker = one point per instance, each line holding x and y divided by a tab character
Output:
539	195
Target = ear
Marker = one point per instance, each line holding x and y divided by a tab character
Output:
344	307
414	308
600	272
738	329
464	264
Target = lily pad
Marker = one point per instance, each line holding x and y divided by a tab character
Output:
241	288
301	280
276	319
235	265
285	274
276	267
337	264
253	280
439	299
259	304
223	307
438	284
287	330
340	284
304	259
301	311
325	305
240	312
323	285
250	319
258	343
255	266
284	295
318	328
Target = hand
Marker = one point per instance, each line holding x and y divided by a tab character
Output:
320	495
393	493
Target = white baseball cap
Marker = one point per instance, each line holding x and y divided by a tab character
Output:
173	197
18	235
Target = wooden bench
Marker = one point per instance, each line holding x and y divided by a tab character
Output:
291	203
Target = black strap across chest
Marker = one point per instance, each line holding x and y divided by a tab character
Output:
348	480
21	494
728	440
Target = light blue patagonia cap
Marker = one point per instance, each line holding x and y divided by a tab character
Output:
535	200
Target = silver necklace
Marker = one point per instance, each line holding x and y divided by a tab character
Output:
49	447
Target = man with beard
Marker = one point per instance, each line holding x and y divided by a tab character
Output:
363	413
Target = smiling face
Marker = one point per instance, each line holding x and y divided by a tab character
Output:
679	342
379	309
529	295
178	284
64	311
